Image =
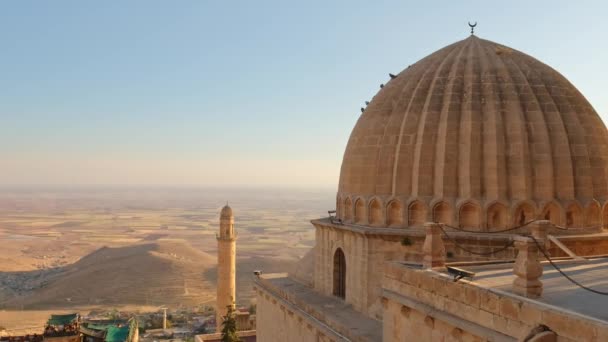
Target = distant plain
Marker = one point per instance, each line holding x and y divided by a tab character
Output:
139	248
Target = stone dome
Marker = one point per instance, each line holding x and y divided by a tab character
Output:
480	135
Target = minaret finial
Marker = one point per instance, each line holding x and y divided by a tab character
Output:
472	26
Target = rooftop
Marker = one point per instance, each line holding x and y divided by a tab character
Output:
245	336
345	320
557	290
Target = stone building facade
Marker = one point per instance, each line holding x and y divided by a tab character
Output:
481	139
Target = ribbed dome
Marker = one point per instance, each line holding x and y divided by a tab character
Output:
476	122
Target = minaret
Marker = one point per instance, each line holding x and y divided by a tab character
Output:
226	256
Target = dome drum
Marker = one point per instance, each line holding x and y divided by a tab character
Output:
396	212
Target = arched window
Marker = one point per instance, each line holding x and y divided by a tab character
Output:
469	216
416	214
339	274
523	214
359	211
348	210
551	213
442	213
573	216
497	217
395	214
375	213
593	215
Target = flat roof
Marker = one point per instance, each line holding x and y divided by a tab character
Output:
557	290
244	335
344	319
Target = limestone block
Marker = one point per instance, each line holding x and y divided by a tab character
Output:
485	318
509	308
472	296
602	333
529	314
489	301
500	324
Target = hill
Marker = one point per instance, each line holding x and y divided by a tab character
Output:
158	273
163	272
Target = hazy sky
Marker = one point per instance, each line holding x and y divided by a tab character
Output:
237	92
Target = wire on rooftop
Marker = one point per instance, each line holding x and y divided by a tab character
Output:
558	269
515	228
577	228
489	232
459	246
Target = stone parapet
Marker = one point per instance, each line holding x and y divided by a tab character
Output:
336	320
503	312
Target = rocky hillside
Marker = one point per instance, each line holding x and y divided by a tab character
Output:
159	273
163	272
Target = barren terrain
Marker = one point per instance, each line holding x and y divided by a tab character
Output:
87	248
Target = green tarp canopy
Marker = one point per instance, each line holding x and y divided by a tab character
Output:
115	334
62	319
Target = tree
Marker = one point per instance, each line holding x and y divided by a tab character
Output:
113	315
229	326
133	329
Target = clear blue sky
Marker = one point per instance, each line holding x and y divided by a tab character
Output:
237	92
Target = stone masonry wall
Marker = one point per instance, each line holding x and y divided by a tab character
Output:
402	323
367	249
355	248
279	321
468	309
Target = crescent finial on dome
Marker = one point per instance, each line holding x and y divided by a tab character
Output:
472	26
